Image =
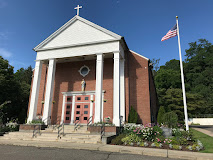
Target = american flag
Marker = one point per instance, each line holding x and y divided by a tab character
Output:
172	32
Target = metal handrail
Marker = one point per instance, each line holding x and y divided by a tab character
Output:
102	130
48	119
61	128
77	123
37	130
89	121
57	122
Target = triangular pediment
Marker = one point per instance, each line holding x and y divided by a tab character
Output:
77	31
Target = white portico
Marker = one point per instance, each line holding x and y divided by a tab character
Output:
79	38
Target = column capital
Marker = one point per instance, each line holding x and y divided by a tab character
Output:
116	55
99	57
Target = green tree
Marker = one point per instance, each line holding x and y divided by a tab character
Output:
198	69
161	113
14	88
133	116
198	81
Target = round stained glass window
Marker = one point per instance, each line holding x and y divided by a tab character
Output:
84	70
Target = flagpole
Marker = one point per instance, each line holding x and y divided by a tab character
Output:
182	78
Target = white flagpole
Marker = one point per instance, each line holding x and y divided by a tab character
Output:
182	79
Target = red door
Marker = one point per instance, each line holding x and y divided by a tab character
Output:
82	108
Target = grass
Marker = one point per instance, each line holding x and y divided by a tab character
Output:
205	139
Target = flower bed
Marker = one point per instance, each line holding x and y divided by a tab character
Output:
152	137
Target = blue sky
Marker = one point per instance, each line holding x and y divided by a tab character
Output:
25	23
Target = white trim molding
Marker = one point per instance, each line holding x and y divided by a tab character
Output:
139	55
84	66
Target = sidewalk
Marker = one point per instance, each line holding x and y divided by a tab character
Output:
209	133
114	148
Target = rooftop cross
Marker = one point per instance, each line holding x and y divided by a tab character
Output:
78	8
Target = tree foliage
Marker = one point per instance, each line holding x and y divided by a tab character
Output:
133	116
161	113
198	81
15	87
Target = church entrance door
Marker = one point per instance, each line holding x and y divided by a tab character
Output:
82	108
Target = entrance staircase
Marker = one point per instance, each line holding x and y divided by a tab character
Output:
80	135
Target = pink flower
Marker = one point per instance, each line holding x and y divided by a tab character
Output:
135	130
155	133
164	141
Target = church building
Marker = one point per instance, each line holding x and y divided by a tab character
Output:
85	72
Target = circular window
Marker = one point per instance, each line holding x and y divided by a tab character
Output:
84	70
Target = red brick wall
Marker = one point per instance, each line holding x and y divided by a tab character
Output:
139	86
67	78
127	93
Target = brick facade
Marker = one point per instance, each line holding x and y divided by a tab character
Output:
138	84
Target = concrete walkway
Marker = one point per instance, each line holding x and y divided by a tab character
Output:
114	148
206	130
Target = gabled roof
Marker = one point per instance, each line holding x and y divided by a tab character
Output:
70	22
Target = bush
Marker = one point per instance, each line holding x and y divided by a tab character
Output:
132	138
117	140
158	130
37	122
170	119
161	113
133	116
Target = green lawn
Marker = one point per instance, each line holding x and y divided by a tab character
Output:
205	139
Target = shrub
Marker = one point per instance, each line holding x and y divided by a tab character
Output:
170	119
36	122
158	130
153	145
159	145
176	132
177	147
188	135
132	138
117	140
160	139
128	128
161	113
133	116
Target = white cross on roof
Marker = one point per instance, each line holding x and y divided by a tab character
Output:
78	8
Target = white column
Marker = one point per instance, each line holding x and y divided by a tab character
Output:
73	109
116	89
102	107
63	108
49	90
99	87
35	91
122	89
91	105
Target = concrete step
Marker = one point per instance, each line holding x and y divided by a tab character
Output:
82	136
78	141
